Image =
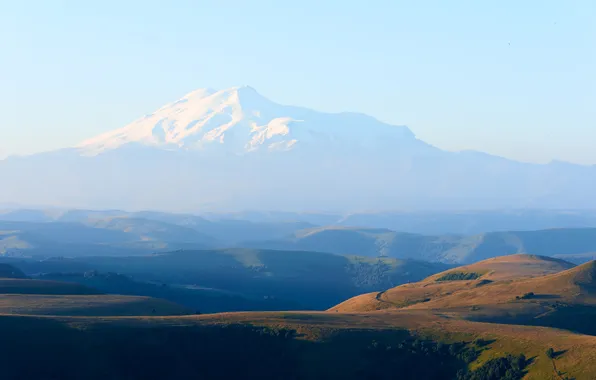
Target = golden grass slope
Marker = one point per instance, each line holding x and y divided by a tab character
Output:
512	291
572	286
512	267
422	294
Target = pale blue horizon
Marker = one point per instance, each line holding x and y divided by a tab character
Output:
514	79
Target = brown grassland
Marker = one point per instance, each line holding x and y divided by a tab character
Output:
520	304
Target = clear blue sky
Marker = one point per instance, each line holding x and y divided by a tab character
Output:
509	77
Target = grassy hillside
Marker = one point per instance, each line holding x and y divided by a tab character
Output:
527	290
563	300
440	338
41	297
288	279
403	344
151	348
442	286
511	267
574	352
198	299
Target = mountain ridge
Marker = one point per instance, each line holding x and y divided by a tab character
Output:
238	116
234	149
573	243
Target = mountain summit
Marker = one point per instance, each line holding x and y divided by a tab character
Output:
240	120
235	150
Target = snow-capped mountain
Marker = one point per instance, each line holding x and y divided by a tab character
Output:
239	120
236	150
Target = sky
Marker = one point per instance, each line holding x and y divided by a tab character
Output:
511	78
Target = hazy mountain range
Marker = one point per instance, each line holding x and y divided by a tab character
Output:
575	244
75	233
234	150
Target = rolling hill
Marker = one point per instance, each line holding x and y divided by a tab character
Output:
442	285
371	242
409	341
108	236
197	298
288	279
517	289
20	295
459	222
118	233
14	281
564	300
577	243
84	233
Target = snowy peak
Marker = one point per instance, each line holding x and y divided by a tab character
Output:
239	120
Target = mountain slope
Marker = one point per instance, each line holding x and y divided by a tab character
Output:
239	120
527	290
233	149
371	242
572	286
467	280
